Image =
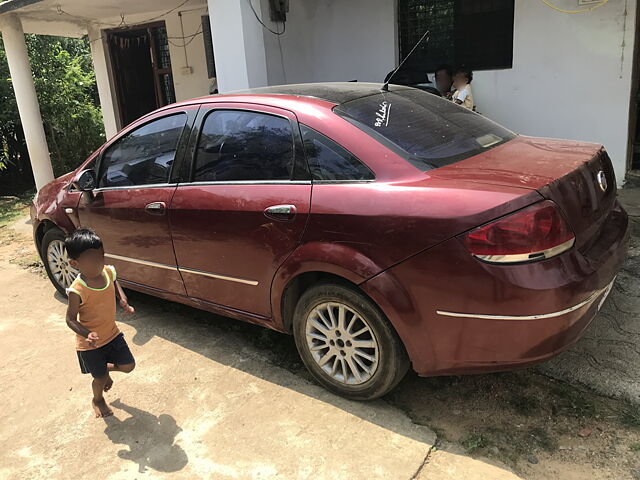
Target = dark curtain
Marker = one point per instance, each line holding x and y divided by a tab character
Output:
131	56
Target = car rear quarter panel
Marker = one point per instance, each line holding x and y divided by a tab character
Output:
448	278
358	230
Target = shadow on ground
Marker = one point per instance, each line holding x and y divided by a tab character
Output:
509	416
150	439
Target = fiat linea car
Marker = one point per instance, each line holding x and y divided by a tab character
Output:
383	229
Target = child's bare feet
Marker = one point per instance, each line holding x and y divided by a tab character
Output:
108	384
101	408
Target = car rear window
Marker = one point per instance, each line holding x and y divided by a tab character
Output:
428	131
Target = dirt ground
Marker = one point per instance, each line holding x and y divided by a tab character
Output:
607	357
215	398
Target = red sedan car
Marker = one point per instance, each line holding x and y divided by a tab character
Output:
381	228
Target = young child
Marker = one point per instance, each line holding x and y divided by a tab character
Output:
91	314
462	83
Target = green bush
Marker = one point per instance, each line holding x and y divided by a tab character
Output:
66	88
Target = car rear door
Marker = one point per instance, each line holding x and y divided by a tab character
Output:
244	205
137	174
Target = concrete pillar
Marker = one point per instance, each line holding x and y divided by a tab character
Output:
238	44
25	92
105	86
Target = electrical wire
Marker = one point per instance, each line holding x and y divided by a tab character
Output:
186	42
123	23
586	10
284	71
60	11
170	11
284	24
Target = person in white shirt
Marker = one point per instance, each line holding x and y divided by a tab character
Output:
462	78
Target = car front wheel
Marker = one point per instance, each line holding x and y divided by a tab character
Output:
347	343
56	260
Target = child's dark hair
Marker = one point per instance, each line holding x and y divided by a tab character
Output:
464	71
81	240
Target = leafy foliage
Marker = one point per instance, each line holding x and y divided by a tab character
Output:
67	93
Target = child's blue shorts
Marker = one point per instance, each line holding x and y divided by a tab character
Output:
95	361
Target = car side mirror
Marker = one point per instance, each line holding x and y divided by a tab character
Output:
86	181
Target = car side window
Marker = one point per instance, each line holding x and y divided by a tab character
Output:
328	161
143	156
238	145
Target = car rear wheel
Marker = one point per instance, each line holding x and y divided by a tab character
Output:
347	343
56	260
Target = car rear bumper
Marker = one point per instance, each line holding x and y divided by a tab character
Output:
458	315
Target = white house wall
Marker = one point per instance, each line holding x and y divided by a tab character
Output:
194	83
571	76
238	45
332	40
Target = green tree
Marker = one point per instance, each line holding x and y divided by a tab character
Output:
66	89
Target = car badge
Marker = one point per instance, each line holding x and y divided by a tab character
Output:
602	181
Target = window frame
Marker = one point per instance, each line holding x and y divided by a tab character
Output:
189	110
329	182
457	39
299	162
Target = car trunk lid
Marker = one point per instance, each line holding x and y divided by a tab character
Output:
577	176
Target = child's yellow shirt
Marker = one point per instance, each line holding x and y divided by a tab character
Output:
97	309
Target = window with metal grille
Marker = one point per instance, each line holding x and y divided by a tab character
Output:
475	33
162	65
208	46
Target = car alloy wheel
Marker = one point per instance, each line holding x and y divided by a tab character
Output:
342	343
59	266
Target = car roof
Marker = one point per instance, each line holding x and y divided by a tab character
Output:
322	95
333	92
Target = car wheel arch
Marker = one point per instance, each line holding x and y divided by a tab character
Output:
43	227
297	285
336	261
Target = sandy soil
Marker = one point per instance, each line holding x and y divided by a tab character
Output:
525	422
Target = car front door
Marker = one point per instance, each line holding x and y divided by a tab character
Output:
129	208
244	206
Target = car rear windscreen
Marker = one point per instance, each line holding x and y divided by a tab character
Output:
428	131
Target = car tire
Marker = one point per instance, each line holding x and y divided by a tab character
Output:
55	259
356	354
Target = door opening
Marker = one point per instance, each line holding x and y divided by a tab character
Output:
141	65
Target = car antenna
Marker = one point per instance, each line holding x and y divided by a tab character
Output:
385	86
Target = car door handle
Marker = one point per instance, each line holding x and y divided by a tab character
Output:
155	208
282	213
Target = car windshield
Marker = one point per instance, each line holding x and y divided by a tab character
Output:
428	131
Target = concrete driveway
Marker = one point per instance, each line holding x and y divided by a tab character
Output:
204	402
214	398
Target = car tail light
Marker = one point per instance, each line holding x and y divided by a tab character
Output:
533	233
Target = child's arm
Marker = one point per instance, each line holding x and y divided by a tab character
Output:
124	303
72	320
462	95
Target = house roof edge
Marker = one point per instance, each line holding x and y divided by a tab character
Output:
12	5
